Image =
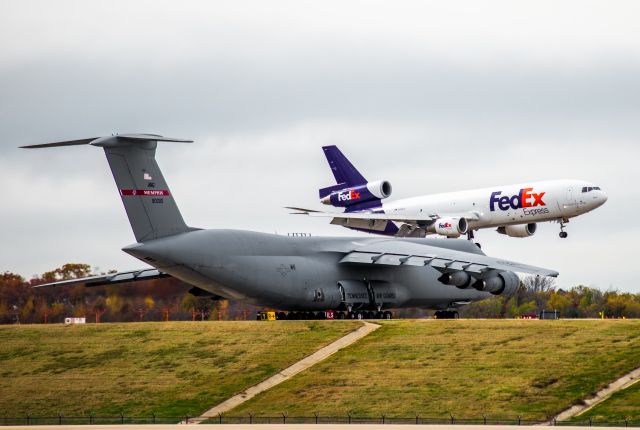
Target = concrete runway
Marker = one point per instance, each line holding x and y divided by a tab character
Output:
293	427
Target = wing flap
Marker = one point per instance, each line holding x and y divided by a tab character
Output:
397	253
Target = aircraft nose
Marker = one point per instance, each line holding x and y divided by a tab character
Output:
602	198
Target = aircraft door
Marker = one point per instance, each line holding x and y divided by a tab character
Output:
355	294
570	205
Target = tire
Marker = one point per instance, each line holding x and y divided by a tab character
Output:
387	315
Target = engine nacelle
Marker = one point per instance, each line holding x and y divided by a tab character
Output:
521	230
460	279
380	189
498	283
352	196
450	227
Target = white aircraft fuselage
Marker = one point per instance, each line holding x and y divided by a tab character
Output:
505	205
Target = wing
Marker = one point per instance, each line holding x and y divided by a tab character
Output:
110	279
377	221
374	216
398	253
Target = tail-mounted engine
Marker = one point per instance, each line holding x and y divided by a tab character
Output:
351	196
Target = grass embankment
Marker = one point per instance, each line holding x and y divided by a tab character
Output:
499	368
171	369
622	405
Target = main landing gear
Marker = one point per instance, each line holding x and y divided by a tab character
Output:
563	234
470	236
325	315
446	315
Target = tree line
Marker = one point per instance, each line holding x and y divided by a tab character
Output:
168	299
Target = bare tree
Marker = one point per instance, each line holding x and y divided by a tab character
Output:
539	284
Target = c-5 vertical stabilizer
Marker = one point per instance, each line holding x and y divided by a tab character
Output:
151	209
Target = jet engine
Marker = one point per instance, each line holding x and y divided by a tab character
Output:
380	189
460	279
345	197
450	227
497	283
521	230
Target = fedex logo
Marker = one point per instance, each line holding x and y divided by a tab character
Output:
524	199
346	196
444	225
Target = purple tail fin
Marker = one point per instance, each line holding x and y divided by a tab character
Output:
342	169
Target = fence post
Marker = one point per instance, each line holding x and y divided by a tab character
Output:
220	417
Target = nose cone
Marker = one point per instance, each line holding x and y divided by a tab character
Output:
602	198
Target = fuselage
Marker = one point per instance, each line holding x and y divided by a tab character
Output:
296	273
498	206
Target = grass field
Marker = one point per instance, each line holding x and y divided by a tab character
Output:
622	405
170	368
499	368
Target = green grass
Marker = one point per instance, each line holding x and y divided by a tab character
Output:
499	368
171	369
622	405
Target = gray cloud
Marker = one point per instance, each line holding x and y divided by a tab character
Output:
432	97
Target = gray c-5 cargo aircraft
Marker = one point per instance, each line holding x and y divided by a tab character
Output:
301	277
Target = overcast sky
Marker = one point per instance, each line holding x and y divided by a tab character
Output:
432	96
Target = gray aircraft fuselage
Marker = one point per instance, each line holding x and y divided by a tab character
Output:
296	273
292	273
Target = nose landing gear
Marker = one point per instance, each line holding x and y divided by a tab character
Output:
563	234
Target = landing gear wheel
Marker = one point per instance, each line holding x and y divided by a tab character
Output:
563	234
341	315
446	315
387	315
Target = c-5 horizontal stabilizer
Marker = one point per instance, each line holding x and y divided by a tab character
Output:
99	141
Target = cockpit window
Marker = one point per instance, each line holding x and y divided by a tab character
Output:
596	188
587	189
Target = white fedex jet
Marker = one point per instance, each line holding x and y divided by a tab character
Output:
513	210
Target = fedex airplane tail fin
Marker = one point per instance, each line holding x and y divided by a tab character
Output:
344	172
150	207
